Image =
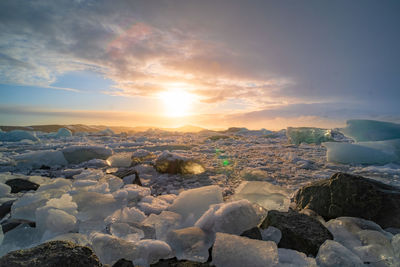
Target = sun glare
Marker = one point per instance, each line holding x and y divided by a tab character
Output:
177	103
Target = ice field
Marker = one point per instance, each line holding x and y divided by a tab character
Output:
154	195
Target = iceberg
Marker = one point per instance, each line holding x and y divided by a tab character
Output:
370	130
267	195
308	135
374	152
63	132
18	135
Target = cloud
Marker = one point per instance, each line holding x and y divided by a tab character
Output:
41	40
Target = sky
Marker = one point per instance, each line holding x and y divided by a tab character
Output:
256	64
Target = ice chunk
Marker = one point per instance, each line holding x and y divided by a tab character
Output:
308	135
151	251
271	234
94	206
109	249
18	135
396	245
191	204
267	195
126	232
254	174
364	238
54	221
232	217
23	236
24	208
332	254
370	130
379	152
126	215
63	132
293	258
38	159
236	251
131	192
89	174
79	154
64	203
190	244
151	204
4	190
120	160
163	223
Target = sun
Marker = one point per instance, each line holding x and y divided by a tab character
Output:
177	102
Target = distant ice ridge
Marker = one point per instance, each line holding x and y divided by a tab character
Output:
377	143
370	130
308	135
18	135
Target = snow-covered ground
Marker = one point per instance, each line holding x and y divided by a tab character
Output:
85	197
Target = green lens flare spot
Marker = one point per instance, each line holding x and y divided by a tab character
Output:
217	150
225	163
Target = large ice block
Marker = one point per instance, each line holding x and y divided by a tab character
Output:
308	135
190	243
191	204
377	152
267	195
236	251
232	217
63	132
371	130
332	254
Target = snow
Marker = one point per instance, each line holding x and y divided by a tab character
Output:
308	135
370	130
236	251
191	204
232	217
190	244
18	135
267	195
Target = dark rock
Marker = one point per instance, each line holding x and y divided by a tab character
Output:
51	254
174	262
175	164
126	172
299	231
5	208
353	196
8	225
253	233
18	185
123	263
